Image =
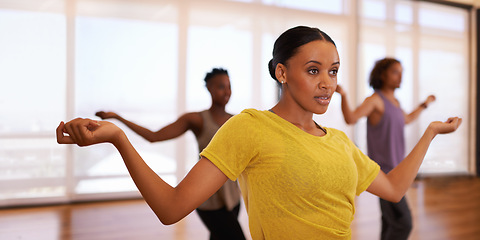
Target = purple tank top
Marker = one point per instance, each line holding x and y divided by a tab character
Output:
385	140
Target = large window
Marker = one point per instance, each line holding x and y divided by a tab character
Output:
32	99
125	62
146	60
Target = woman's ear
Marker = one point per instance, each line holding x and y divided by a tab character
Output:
281	73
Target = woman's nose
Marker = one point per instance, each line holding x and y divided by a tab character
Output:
325	81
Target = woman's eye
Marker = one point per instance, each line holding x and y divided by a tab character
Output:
334	72
313	71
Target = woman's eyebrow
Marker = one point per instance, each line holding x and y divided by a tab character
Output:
319	63
313	61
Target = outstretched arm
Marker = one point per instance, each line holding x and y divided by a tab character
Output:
173	130
170	204
394	185
416	112
364	110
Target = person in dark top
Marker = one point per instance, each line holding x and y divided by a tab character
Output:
220	212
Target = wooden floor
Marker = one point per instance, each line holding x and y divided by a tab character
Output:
442	208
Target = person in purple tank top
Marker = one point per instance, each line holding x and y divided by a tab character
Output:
385	136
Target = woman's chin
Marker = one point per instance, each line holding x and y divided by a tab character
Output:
321	110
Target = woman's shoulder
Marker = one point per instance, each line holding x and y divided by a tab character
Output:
376	97
336	133
248	116
193	116
250	113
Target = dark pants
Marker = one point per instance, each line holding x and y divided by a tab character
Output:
396	220
222	224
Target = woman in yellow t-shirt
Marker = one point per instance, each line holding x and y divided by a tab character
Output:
298	179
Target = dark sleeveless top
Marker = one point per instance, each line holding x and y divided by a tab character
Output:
229	194
385	140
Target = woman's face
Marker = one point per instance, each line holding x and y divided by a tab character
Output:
311	76
219	88
392	77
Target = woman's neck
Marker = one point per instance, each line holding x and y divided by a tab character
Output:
295	115
217	109
388	92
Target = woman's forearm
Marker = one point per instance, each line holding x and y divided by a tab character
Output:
169	204
393	186
414	114
347	112
158	194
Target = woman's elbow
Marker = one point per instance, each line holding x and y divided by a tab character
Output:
171	214
394	197
389	194
168	220
350	121
152	138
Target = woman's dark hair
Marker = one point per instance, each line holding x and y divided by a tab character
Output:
287	44
213	73
381	66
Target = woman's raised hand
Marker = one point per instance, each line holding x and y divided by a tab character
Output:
448	126
430	99
85	132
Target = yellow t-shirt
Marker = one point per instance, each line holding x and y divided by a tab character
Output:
295	185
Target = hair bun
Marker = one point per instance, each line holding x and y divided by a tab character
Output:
271	70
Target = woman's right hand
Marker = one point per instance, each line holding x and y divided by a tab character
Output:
86	132
106	115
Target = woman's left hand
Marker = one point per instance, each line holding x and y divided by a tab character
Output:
85	132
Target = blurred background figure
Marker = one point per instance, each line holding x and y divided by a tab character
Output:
220	212
385	136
